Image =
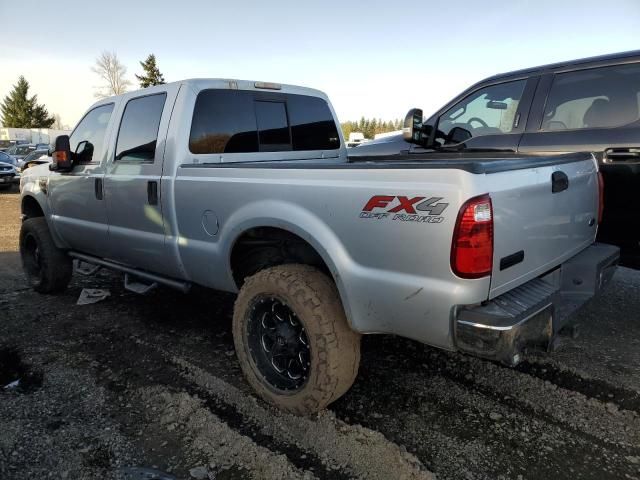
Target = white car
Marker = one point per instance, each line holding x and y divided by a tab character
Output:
36	157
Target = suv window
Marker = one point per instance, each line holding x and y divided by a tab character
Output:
138	131
594	98
232	121
91	129
488	111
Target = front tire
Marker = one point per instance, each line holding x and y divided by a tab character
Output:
48	269
292	338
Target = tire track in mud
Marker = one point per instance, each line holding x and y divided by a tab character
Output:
214	439
363	452
589	387
163	373
324	445
455	401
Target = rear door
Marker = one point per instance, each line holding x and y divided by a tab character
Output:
133	179
597	109
543	216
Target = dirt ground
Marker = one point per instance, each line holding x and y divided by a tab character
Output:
149	387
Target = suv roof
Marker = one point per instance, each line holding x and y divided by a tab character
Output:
600	59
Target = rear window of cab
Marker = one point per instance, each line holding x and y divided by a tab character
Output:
237	121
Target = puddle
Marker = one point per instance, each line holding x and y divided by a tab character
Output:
15	373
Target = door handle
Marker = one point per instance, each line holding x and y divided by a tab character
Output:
615	155
98	188
152	192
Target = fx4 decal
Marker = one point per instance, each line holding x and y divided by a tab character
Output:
405	209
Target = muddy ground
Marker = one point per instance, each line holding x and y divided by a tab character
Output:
151	382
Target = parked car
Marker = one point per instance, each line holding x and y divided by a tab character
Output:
246	187
19	151
590	104
36	157
8	173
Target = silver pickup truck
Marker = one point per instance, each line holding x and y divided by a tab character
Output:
246	187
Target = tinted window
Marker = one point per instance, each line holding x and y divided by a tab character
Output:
594	98
91	129
273	126
312	124
232	121
5	158
139	129
224	121
488	111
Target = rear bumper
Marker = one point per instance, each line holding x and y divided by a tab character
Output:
529	316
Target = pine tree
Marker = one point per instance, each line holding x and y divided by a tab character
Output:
20	111
151	75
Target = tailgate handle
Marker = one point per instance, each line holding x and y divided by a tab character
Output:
152	192
559	181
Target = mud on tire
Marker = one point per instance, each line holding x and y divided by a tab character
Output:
262	324
48	269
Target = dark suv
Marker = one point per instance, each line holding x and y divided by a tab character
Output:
591	104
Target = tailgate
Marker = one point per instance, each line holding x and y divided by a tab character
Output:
542	217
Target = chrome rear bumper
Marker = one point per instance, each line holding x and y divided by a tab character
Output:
529	316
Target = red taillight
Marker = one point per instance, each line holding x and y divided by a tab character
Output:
600	197
472	247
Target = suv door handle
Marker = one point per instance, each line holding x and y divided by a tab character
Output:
614	155
559	181
152	192
98	188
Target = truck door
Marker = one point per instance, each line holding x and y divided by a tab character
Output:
597	110
133	180
78	209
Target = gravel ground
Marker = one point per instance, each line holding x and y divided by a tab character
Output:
151	382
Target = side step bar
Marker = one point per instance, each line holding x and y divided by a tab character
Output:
150	277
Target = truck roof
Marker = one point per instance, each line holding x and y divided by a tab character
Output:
232	84
600	59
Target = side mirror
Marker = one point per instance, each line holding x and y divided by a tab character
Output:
412	127
61	156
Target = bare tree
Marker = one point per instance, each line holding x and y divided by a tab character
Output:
112	73
57	124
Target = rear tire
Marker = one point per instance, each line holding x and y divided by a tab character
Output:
292	338
48	269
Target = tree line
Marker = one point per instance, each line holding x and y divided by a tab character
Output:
370	127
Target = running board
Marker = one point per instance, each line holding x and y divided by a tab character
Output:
149	277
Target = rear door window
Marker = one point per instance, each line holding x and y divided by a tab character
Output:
138	132
232	121
594	98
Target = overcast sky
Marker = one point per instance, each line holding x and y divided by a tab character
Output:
373	58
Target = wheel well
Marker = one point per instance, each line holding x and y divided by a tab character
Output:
31	208
264	247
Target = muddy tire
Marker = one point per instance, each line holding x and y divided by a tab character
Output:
292	338
48	269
